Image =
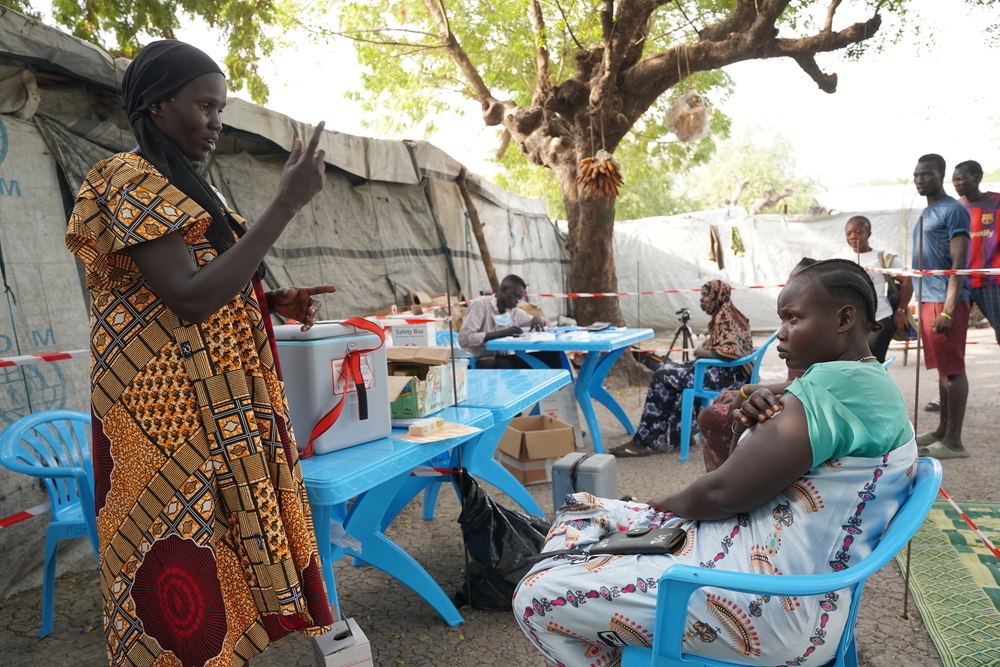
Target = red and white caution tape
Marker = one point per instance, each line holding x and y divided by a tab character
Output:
431	471
27	359
935	272
972	525
26	514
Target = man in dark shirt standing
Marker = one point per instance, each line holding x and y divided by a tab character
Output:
984	249
944	303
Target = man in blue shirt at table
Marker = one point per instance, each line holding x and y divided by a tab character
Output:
944	304
497	316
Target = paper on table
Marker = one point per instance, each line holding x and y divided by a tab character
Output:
448	431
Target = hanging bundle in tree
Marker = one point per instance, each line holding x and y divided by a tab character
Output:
600	174
688	117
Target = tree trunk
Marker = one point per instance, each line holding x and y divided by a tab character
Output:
591	219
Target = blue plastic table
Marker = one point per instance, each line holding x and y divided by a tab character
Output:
602	347
505	393
374	473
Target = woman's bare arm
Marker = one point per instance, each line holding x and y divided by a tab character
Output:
775	454
193	293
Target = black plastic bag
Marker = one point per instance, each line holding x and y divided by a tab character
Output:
501	543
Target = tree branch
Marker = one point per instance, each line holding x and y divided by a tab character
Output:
630	26
607	20
543	88
738	20
492	112
568	28
830	11
826	82
642	84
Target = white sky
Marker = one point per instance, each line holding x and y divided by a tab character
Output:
889	108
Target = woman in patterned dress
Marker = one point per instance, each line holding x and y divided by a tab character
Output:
728	338
809	489
207	551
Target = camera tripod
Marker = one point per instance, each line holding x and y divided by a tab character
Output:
684	333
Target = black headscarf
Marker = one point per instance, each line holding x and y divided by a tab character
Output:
161	69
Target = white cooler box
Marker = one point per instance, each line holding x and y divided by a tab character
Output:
312	363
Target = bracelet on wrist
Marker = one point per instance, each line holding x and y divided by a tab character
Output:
944	314
743	393
901	311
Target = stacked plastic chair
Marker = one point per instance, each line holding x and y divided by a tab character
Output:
54	446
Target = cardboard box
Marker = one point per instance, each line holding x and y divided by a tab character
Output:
528	472
562	405
529	445
421	334
344	646
422	302
420	381
532	309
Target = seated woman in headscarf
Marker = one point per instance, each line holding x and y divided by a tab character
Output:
816	476
716	420
207	551
728	338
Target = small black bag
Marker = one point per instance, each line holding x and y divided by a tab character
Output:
638	541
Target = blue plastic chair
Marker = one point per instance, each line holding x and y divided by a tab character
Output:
54	445
442	341
698	390
678	582
888	362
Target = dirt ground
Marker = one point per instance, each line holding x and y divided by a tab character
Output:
404	630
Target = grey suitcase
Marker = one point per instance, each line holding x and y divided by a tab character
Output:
579	471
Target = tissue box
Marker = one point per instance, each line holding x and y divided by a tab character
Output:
420	381
344	646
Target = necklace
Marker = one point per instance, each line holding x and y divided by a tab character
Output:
868	359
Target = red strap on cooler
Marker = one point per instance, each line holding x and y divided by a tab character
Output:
352	373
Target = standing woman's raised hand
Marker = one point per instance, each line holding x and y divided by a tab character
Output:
304	173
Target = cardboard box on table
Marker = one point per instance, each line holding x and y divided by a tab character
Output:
417	334
344	646
420	381
530	445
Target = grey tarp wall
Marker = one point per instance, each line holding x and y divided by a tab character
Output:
388	221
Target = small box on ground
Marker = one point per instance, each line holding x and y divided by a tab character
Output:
420	381
561	404
530	443
578	471
344	646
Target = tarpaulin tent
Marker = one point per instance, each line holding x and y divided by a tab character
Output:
390	220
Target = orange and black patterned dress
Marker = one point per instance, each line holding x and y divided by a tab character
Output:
207	550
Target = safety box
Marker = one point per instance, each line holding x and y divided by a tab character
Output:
312	364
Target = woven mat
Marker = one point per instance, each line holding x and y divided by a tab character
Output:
955	582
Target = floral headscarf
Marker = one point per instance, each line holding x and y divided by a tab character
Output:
729	329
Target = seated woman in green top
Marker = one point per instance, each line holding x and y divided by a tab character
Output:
814	476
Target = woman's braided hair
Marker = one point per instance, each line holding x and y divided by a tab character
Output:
846	282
